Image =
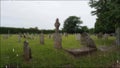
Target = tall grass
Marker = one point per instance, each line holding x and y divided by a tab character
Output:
46	56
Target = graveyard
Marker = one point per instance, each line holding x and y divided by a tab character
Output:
60	36
47	56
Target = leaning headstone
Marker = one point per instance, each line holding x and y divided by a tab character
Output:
41	38
27	51
89	48
57	36
87	41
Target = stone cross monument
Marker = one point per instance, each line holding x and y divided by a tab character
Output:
57	36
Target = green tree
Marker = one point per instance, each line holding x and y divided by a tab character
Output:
91	30
84	29
108	13
103	23
72	24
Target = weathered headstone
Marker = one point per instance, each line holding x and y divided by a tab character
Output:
49	36
57	36
41	38
86	40
24	35
89	47
27	51
19	38
66	34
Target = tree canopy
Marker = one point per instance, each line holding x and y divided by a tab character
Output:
108	13
72	24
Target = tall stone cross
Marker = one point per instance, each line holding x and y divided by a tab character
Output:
57	24
57	36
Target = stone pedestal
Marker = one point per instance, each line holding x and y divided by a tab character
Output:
57	41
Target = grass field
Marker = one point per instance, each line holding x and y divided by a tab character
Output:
46	56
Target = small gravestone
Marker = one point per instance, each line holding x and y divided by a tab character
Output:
78	36
49	36
24	35
65	34
19	38
27	51
105	36
100	35
41	38
57	36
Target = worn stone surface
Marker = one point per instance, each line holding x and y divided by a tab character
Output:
41	38
58	41
49	36
57	37
87	41
57	24
106	48
118	36
81	51
27	51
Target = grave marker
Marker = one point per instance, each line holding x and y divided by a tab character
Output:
41	38
57	36
27	51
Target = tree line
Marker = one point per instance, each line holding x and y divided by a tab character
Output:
12	30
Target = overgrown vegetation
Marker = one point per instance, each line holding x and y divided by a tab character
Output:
47	56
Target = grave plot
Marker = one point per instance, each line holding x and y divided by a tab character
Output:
89	46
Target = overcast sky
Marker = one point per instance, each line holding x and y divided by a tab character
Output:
42	14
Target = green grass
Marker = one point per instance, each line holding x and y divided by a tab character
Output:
45	56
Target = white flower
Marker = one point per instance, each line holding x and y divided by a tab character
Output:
117	61
13	49
16	54
6	66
